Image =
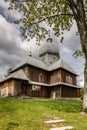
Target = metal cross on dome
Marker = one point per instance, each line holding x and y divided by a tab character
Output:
49	39
30	51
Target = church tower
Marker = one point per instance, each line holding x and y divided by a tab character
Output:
49	52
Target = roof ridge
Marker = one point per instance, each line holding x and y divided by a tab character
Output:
40	64
62	64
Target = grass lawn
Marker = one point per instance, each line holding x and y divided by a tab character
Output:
30	114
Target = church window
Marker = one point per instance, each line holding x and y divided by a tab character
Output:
41	77
69	79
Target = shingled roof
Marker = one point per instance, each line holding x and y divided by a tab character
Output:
39	64
49	47
31	61
17	75
61	64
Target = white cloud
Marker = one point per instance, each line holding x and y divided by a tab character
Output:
10	51
12	48
8	14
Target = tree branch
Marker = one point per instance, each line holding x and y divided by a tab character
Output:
56	15
73	7
21	1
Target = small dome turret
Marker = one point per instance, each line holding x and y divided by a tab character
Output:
49	52
49	47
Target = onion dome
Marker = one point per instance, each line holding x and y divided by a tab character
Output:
49	47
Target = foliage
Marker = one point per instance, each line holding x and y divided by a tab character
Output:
30	114
55	14
58	15
78	53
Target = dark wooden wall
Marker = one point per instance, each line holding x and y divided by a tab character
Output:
65	91
39	75
55	76
44	92
17	87
56	89
36	74
70	91
65	73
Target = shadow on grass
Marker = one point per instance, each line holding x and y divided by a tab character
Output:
12	125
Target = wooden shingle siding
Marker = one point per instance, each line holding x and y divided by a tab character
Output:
55	76
57	90
7	88
44	92
11	87
34	73
59	75
69	92
65	73
17	85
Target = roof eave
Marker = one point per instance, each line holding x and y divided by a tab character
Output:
54	84
12	78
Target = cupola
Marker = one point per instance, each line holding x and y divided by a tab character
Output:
49	52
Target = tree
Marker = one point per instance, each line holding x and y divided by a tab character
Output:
59	15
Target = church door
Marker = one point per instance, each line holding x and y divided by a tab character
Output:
23	88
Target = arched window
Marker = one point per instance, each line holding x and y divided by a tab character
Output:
41	77
69	79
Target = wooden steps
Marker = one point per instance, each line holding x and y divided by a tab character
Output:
55	121
58	128
62	128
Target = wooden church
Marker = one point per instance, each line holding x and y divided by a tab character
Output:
48	77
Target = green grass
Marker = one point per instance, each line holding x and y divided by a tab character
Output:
30	114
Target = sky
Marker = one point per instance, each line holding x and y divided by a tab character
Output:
13	48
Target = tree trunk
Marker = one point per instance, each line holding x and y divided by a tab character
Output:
85	89
83	38
80	17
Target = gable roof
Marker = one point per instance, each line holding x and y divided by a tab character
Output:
17	75
40	64
31	61
61	64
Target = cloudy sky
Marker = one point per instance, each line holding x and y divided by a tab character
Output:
13	48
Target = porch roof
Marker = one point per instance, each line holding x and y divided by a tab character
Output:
17	75
54	84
